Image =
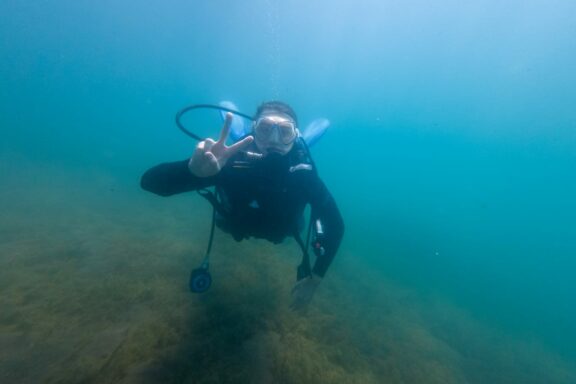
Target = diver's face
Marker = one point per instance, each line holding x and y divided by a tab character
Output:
274	133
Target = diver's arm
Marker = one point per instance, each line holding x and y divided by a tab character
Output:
324	208
171	178
200	171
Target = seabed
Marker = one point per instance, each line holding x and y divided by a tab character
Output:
93	276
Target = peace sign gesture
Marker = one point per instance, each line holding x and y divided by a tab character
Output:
210	156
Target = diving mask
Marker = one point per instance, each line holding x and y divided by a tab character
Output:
275	130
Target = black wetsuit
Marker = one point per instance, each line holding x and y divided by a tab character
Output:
261	197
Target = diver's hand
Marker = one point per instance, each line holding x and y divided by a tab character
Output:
303	292
210	156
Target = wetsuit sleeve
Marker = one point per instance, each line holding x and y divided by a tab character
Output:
324	208
171	178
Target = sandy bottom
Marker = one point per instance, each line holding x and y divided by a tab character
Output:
93	282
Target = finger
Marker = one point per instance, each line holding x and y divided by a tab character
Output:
210	157
236	147
225	129
212	161
296	306
205	145
296	290
208	143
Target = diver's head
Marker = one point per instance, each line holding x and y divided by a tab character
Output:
275	128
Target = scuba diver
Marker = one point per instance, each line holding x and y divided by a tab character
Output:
262	185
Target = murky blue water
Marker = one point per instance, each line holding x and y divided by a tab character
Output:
451	153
